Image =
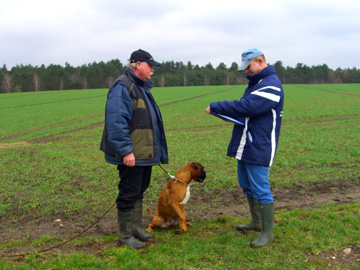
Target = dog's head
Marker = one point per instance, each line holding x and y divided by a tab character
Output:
199	173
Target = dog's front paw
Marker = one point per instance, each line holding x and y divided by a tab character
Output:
149	229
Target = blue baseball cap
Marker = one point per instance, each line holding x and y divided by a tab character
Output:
247	56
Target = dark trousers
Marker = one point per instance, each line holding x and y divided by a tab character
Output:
133	183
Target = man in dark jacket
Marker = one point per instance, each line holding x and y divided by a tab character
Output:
254	144
134	140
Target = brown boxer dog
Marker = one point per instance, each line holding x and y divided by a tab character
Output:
174	196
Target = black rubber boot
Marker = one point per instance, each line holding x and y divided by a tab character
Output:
138	233
255	223
125	221
267	217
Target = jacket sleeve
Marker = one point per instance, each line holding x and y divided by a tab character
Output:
119	109
258	102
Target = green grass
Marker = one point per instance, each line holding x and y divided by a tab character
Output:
61	172
214	244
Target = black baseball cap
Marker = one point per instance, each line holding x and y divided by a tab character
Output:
143	56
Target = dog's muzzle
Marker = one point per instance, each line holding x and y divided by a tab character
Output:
202	176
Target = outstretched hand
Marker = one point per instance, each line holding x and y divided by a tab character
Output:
207	110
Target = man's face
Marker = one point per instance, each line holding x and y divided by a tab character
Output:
254	67
145	71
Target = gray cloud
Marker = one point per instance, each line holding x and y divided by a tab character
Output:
201	31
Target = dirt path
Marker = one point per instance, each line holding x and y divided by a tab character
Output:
200	206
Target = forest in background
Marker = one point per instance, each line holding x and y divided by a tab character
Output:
26	78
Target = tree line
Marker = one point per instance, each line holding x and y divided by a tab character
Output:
26	78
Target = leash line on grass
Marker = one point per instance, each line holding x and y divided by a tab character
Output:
80	233
64	243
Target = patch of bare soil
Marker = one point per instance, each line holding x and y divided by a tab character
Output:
17	144
200	206
338	259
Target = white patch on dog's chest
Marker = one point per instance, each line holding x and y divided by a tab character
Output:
187	196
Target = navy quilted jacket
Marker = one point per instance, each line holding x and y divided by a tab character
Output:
124	133
261	108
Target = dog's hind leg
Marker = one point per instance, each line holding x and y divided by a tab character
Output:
157	221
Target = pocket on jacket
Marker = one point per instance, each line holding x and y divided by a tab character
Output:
143	142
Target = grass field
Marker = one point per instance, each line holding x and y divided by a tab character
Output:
51	166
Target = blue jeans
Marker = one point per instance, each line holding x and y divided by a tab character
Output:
254	181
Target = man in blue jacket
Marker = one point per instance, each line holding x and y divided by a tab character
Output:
134	140
254	144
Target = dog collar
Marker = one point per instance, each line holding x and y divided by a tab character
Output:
175	179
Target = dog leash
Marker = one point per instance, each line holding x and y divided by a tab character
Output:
63	243
173	177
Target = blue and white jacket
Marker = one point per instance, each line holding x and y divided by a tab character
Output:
261	109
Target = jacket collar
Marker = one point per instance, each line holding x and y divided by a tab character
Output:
254	79
147	85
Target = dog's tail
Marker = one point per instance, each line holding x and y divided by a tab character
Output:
151	215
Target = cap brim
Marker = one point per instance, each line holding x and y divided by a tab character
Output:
154	63
244	64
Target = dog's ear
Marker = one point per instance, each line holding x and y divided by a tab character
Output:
195	165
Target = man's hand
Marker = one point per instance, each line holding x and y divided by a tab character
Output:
207	110
129	160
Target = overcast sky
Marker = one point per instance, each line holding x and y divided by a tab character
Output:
311	32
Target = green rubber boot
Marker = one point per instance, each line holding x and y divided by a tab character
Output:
138	233
267	217
125	221
255	223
